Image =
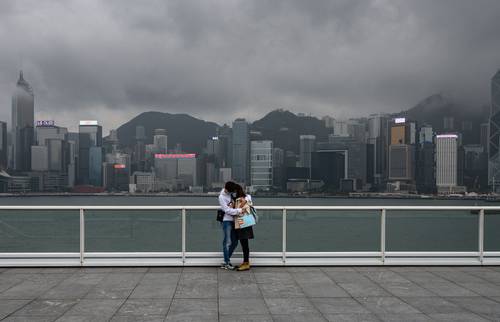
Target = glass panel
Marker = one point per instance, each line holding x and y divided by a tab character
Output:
333	230
39	231
204	233
412	230
133	231
492	231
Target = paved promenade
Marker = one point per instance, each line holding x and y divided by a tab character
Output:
262	294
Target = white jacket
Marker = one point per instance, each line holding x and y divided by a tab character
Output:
224	202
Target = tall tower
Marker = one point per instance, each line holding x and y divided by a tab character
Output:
23	114
446	160
494	134
241	151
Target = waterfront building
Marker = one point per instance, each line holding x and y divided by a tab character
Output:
446	162
116	176
23	112
143	181
225	174
160	141
90	153
330	166
494	135
241	151
261	165
3	146
307	145
279	179
39	158
176	171
377	137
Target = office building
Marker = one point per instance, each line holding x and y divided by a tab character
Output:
3	146
307	145
39	158
377	137
176	171
23	112
160	141
143	181
401	162
261	165
494	135
90	153
241	151
330	166
446	161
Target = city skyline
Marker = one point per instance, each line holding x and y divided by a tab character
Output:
223	61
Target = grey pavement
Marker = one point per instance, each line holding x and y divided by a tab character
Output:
261	294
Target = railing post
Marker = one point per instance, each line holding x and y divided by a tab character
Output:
382	235
183	234
284	236
481	235
82	236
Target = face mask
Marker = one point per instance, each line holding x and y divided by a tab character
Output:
233	195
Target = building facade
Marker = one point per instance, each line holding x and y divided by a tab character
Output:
494	135
261	165
241	151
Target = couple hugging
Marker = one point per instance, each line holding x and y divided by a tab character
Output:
234	202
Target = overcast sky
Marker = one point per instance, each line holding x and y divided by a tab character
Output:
111	60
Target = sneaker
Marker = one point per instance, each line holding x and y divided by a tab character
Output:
245	266
228	266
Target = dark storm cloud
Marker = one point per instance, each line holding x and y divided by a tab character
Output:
220	59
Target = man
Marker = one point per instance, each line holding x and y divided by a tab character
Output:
229	243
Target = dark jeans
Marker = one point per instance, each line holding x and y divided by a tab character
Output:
230	241
246	250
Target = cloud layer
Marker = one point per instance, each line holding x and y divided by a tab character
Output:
217	60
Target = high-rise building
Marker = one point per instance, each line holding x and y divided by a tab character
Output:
401	162
307	145
3	146
241	151
446	160
261	164
160	140
23	110
90	153
426	135
330	166
377	137
494	135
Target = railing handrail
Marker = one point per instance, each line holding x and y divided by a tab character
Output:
211	207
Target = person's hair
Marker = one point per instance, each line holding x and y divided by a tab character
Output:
240	193
230	186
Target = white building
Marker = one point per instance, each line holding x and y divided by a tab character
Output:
446	160
160	140
261	165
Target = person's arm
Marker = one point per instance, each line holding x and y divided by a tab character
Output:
228	210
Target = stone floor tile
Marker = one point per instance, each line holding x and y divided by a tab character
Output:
348	277
196	289
232	290
144	307
489	276
352	317
337	269
242	306
281	290
432	305
315	289
387	305
484	289
460	277
477	304
138	318
303	269
46	307
385	277
447	289
183	308
30	318
298	318
9	306
416	317
317	277
457	317
165	270
82	318
115	286
192	318
290	306
338	305
245	318
423	277
267	277
406	289
104	308
363	289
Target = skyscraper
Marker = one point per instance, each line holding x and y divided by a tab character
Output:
494	134
90	153
160	140
446	160
377	137
307	146
3	145
261	164
23	110
241	151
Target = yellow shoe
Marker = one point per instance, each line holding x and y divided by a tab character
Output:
245	266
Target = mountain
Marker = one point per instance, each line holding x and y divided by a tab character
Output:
191	132
434	109
284	128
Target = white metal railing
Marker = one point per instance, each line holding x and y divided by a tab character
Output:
284	257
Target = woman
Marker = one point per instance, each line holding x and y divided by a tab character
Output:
243	203
229	242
